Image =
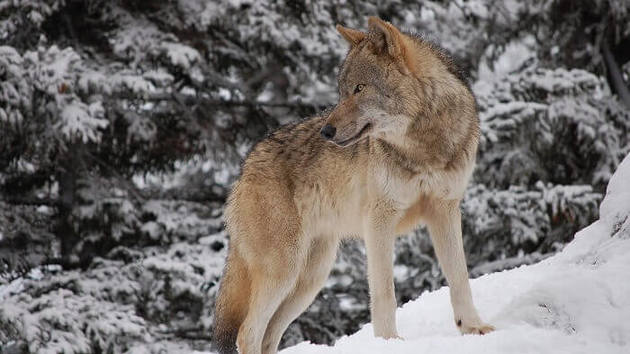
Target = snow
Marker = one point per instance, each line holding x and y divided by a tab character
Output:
78	118
13	287
180	55
17	285
574	302
515	56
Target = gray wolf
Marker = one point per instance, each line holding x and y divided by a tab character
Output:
397	151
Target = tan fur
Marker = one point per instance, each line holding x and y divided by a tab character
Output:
402	154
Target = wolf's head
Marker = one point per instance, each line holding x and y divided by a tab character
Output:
388	81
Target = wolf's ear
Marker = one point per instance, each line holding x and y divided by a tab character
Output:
351	35
386	38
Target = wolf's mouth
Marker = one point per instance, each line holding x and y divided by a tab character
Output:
356	137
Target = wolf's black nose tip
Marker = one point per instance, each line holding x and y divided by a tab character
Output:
328	131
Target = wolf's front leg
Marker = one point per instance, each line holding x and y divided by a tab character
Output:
444	222
379	245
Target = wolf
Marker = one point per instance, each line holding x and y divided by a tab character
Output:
396	151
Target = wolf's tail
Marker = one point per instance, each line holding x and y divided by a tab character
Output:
232	304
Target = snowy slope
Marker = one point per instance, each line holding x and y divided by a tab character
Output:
575	302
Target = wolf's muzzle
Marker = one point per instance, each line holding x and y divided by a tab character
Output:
328	131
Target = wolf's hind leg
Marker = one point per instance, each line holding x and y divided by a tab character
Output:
320	259
274	266
444	222
269	288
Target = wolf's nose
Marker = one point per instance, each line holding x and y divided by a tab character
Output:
328	131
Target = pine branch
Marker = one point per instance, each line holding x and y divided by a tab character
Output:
508	263
213	193
30	201
194	333
153	195
195	99
130	187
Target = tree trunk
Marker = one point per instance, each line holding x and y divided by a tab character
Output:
616	77
68	175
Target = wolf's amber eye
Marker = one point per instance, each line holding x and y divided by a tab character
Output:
359	88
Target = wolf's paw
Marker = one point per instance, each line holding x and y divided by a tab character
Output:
476	327
390	336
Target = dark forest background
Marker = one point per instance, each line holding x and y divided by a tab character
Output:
123	124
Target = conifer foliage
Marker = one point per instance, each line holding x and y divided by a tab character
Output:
123	124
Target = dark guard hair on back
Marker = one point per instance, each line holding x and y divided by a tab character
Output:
453	65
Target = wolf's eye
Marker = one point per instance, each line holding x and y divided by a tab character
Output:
359	88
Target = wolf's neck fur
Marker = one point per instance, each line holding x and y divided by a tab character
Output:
436	139
399	156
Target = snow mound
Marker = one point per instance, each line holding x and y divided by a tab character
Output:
575	302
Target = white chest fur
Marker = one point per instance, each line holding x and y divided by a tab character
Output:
404	187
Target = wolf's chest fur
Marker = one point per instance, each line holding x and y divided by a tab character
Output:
336	201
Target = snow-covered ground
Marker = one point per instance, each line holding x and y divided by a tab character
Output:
575	302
